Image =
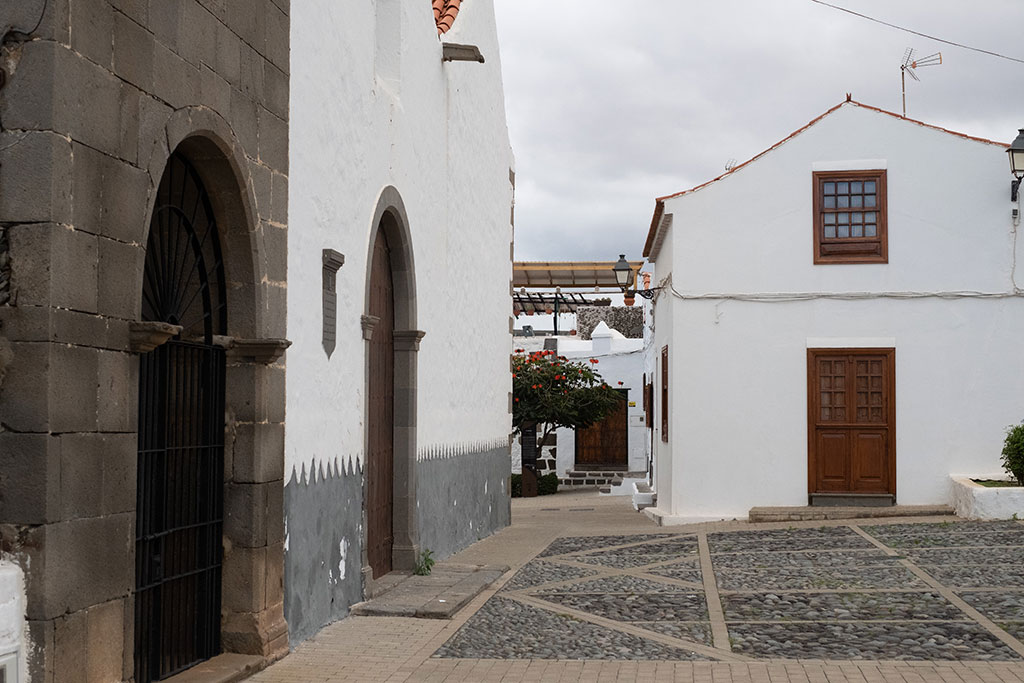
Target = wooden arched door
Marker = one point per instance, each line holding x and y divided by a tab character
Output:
380	461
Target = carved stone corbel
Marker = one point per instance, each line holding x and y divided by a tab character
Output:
146	335
368	322
408	340
258	351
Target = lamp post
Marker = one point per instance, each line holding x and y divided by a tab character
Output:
1016	153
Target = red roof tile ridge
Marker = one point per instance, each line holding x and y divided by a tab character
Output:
445	12
659	206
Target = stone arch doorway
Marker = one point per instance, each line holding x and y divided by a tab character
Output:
180	505
241	491
392	339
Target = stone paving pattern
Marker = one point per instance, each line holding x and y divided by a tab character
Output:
821	593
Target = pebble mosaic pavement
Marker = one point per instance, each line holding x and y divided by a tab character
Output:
919	592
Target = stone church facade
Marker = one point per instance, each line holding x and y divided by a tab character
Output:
143	261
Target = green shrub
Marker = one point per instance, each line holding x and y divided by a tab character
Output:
547	484
516	487
1013	452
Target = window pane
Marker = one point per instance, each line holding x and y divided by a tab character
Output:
869	217
844	231
857	217
830	232
830	202
869	200
830	188
844	201
830	219
844	188
856	201
857	231
843	217
856	188
869	186
869	230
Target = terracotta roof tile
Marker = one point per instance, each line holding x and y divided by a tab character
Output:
659	206
445	12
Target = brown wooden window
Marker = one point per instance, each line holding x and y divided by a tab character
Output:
850	217
664	394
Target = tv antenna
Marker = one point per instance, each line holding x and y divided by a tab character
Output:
908	66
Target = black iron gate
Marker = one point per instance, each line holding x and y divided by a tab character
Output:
180	502
179	514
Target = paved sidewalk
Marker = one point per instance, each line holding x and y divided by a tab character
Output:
664	602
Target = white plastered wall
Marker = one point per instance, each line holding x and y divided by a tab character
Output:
372	105
739	378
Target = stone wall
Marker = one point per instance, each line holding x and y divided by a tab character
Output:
98	94
629	320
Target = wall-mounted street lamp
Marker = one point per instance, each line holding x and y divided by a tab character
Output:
625	278
1016	154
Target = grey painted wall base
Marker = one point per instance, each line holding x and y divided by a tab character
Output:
462	498
322	574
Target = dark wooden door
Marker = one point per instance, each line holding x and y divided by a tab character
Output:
605	443
851	420
380	419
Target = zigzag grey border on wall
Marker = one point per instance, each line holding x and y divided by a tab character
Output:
347	467
447	451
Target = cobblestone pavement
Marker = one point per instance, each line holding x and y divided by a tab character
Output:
867	602
925	592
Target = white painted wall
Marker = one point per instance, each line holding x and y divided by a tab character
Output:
373	105
738	368
12	620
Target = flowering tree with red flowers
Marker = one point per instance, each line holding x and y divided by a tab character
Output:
552	391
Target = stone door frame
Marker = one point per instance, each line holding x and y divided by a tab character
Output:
252	599
391	217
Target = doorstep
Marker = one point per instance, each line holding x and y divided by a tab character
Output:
439	595
224	668
807	514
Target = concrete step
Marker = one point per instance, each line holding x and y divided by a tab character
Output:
439	595
806	514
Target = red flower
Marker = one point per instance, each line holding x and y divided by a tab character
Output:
620	383
517	400
594	361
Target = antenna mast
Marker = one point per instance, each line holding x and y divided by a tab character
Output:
908	66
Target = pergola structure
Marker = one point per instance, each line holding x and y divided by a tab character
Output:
568	274
558	275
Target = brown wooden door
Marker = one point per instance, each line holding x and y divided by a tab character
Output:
851	420
606	442
380	418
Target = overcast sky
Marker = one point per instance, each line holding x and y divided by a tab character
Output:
612	103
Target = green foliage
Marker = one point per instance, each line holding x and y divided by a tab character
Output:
553	391
547	484
1013	452
424	563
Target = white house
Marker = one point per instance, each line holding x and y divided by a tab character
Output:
401	186
620	440
839	320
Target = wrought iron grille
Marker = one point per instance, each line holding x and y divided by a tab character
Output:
179	513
